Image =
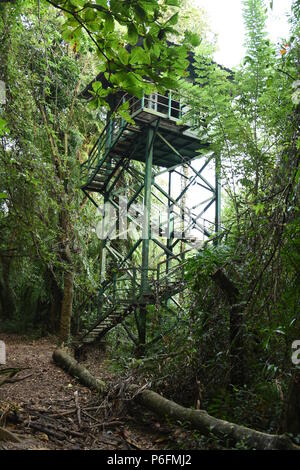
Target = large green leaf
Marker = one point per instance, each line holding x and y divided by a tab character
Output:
124	56
3	126
132	34
102	3
139	56
173	20
109	24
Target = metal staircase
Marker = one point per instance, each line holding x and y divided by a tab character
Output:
120	297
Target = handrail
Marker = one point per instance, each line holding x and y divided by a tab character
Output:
96	149
161	102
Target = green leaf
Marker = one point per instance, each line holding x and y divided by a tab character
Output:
132	34
140	12
156	50
70	22
3	126
3	196
101	67
78	3
173	3
102	3
94	26
109	24
192	38
96	86
258	208
123	56
139	56
125	115
173	20
168	83
90	15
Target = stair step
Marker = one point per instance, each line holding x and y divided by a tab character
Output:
94	186
102	325
99	179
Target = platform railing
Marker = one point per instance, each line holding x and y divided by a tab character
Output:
172	105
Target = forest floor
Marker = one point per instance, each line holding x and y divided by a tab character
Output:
46	415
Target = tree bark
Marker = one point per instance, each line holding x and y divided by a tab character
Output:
196	419
206	424
68	292
56	296
291	419
71	366
66	307
7	297
236	320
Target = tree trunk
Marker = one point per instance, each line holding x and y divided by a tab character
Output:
197	419
56	304
67	307
68	292
7	297
237	354
291	419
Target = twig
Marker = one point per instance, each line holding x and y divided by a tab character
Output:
63	413
108	423
18	379
6	435
91	417
77	408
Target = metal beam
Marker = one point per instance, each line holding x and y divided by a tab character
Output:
147	206
218	194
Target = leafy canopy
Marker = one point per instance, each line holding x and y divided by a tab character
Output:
131	41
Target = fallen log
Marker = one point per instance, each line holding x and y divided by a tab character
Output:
206	424
196	419
70	365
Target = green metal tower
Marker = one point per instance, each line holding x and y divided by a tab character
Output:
142	169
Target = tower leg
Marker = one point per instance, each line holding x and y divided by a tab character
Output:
103	241
170	233
218	194
146	237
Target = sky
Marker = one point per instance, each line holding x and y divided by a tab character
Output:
227	22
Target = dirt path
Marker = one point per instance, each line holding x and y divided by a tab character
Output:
45	410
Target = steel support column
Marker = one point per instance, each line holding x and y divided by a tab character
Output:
170	233
146	236
218	194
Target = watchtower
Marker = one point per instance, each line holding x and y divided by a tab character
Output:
140	168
